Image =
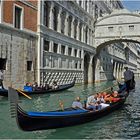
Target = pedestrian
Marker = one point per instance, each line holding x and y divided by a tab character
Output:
128	76
1	79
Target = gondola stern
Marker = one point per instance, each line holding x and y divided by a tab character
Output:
13	99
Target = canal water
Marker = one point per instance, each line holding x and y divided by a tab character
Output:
121	124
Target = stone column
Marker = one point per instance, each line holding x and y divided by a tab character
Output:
41	51
51	16
93	10
82	56
97	69
78	51
40	14
117	71
83	4
78	29
51	46
72	27
82	33
114	72
87	35
90	37
122	70
39	58
59	48
59	20
59	58
90	70
66	24
51	57
66	53
88	6
118	68
72	52
66	50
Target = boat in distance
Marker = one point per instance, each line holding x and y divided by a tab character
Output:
32	121
4	92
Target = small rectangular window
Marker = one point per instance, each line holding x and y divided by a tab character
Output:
2	64
80	54
18	18
29	65
46	45
110	29
63	49
75	65
55	48
131	27
69	51
75	52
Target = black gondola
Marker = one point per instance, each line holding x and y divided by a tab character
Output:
4	92
31	121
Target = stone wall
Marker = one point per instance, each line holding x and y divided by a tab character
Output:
17	47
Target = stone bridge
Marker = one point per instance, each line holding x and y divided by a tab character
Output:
119	26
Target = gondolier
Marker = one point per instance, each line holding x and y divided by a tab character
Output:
1	79
128	76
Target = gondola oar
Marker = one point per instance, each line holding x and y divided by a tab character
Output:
109	88
24	94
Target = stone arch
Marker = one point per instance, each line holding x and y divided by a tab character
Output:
86	67
113	27
112	41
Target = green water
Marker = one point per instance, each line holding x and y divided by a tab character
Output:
123	123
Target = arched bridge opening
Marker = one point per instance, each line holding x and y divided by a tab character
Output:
112	56
119	31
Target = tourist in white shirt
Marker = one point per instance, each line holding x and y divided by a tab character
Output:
92	102
77	103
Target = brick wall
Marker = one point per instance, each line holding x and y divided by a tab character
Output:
30	13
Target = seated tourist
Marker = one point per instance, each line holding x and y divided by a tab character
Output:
77	103
101	101
35	86
115	94
40	88
54	85
28	87
114	97
46	86
92	103
100	98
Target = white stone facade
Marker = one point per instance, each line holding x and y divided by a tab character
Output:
119	26
66	35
